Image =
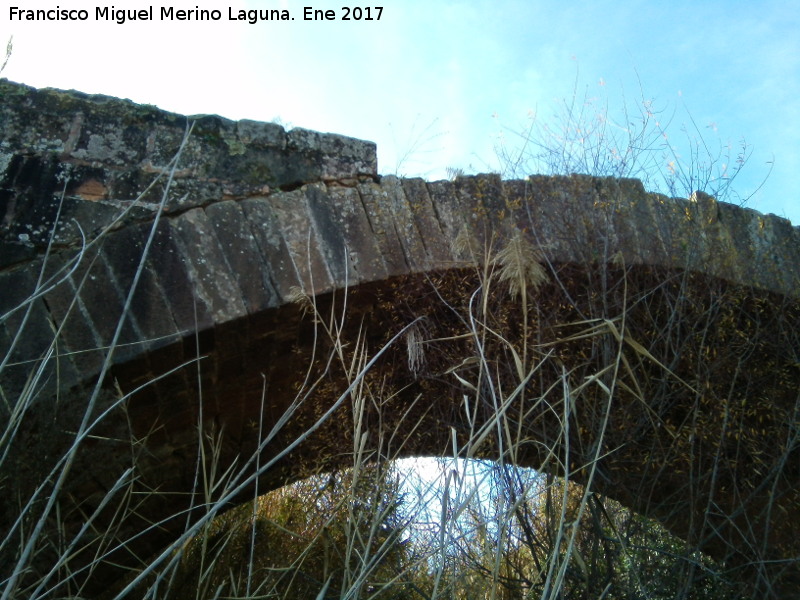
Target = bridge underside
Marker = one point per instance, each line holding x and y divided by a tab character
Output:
681	390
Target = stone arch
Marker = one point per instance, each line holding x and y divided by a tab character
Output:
694	302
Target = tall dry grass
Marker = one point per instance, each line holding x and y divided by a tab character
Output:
527	345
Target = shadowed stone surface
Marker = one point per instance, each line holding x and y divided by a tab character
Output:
256	215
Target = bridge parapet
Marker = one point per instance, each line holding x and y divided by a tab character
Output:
104	153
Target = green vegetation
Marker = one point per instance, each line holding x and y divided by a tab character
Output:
494	538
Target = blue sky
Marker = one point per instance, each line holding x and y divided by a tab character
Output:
441	84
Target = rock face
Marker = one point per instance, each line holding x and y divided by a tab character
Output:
221	244
103	152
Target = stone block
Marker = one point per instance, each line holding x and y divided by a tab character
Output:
427	223
348	243
28	334
294	222
375	199
170	267
452	219
412	247
69	315
122	252
240	249
273	251
103	302
210	274
335	156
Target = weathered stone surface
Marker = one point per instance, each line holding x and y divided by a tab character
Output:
378	209
426	220
451	219
329	235
79	335
404	224
239	247
269	239
340	220
303	242
28	333
102	154
210	275
171	270
123	252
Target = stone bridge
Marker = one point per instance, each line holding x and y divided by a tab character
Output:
263	265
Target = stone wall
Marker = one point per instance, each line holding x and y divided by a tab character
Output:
254	211
102	153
